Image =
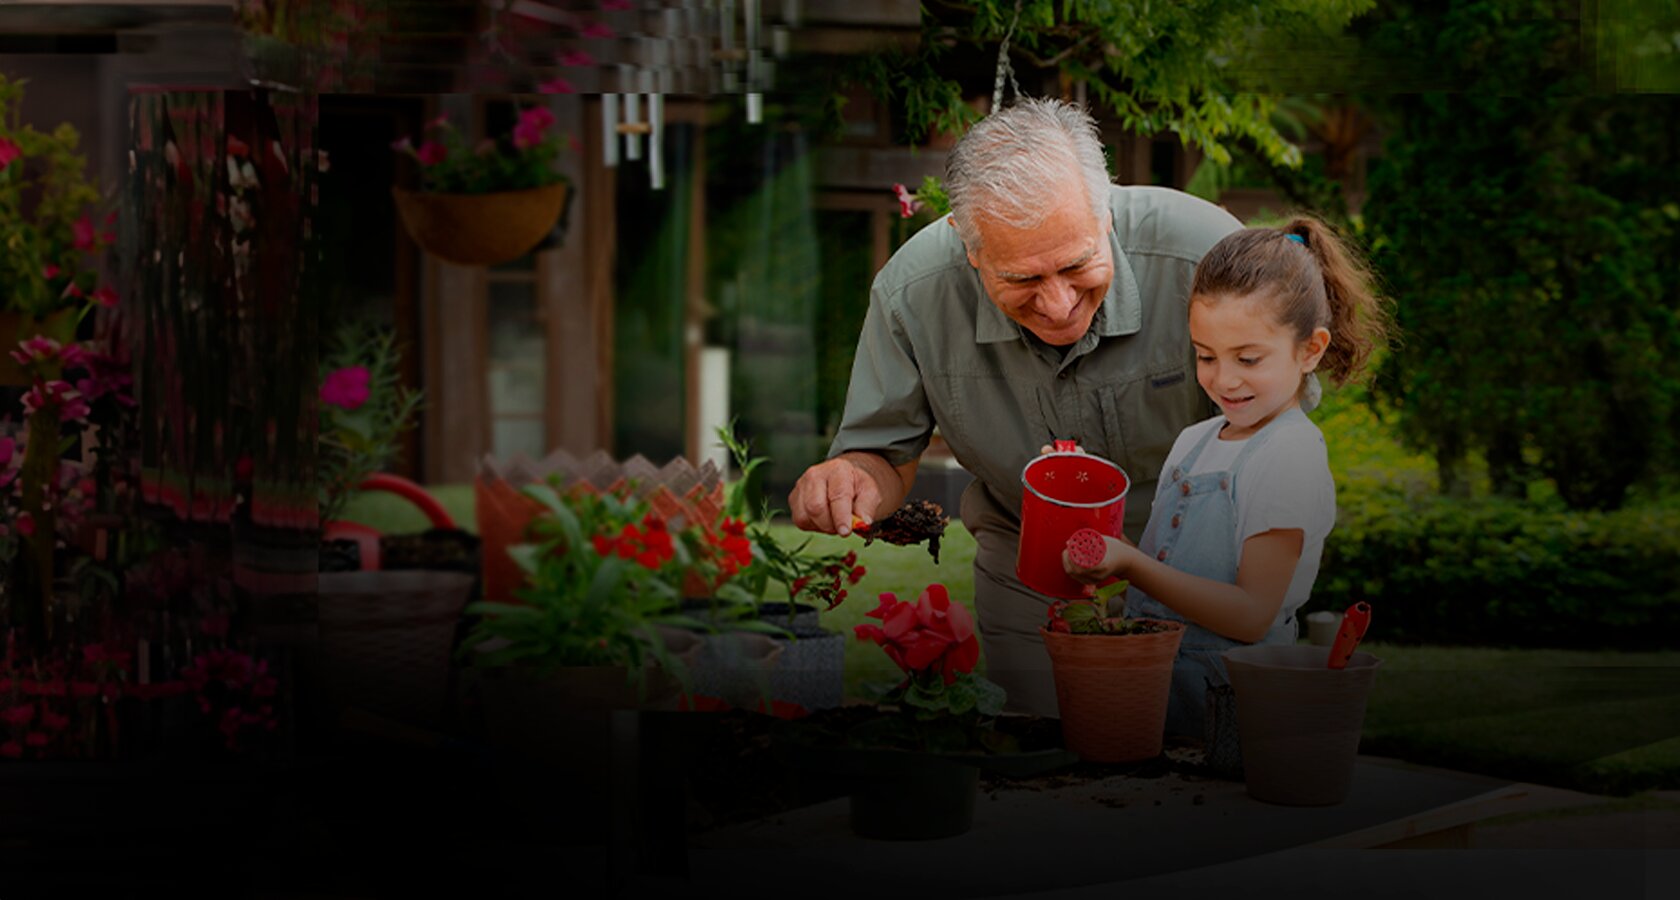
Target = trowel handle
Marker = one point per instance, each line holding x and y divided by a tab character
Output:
1354	622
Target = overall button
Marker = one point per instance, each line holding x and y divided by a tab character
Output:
1184	488
1162	556
1224	484
1177	473
1175	520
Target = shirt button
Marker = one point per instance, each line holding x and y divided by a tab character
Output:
1175	521
1062	375
1162	556
1184	488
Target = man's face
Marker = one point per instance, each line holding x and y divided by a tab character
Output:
1050	279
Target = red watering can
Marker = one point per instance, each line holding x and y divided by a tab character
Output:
1061	492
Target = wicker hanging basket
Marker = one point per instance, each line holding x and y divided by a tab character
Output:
480	229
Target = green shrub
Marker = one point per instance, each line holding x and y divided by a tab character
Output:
1498	572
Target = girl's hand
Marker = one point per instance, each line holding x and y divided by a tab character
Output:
1118	557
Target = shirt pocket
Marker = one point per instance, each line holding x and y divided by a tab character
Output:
1143	417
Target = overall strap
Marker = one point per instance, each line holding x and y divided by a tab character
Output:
1189	460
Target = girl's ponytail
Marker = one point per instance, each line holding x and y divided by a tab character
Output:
1358	317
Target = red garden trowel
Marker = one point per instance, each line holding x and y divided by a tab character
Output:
1354	622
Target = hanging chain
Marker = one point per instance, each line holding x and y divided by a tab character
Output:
1004	69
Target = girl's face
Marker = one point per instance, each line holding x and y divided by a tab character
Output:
1247	362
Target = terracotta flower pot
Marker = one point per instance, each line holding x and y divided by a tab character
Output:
480	229
1112	691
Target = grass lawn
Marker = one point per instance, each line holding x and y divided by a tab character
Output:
1596	721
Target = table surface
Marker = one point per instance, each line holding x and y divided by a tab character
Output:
1055	835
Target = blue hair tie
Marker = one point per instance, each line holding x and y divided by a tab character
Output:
1297	239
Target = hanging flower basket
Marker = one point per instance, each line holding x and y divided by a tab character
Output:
480	229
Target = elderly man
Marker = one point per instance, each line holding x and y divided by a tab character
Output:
1054	306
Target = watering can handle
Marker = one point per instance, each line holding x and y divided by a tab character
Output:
1354	622
1067	446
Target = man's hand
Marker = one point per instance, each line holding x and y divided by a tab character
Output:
829	494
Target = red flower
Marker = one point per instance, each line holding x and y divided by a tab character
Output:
11	749
237	147
857	575
431	153
105	297
53	721
35	739
933	634
84	233
8	152
556	86
18	716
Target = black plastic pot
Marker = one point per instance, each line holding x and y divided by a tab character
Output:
912	796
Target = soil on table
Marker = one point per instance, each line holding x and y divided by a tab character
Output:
734	774
439	549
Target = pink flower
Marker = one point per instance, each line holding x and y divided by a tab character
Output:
36	739
35	349
908	205
59	394
403	145
556	86
11	749
431	153
84	233
50	271
53	721
532	123
595	30
105	297
8	448
575	58
8	152
346	388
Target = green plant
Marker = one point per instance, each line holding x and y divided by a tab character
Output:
46	226
1090	617
603	574
364	412
520	160
820	578
1549	343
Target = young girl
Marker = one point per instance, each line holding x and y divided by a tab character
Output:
1245	498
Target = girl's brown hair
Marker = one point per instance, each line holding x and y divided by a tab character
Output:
1310	279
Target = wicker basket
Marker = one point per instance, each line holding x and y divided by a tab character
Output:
388	639
480	229
1112	691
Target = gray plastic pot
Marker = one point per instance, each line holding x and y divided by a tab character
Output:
1299	720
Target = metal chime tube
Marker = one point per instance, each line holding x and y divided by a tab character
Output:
609	130
632	112
656	119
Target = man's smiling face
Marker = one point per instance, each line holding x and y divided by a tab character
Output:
1050	279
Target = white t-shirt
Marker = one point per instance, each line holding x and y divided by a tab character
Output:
1286	483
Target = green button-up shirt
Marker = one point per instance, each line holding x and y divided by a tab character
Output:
935	350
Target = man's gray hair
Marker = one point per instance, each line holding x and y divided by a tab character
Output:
1010	161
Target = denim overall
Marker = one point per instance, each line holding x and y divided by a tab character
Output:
1193	528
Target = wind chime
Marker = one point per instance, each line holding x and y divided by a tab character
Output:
636	111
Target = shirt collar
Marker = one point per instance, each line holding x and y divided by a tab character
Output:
1121	312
